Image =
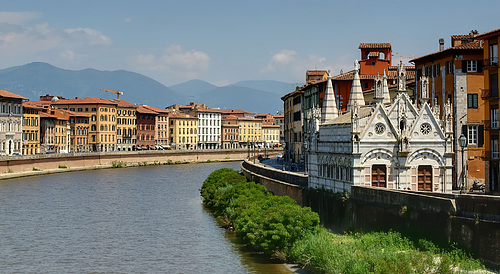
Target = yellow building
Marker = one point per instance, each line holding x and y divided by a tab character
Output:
183	131
126	125
270	134
250	130
31	128
102	113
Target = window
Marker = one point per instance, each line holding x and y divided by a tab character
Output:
436	70
364	85
471	66
472	101
373	63
472	134
494	117
72	109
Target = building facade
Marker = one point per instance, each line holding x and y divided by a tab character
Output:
126	125
146	128
490	94
455	75
31	128
183	131
395	146
11	119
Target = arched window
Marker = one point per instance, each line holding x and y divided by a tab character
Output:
381	55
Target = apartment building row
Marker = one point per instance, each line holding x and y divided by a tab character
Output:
463	76
58	125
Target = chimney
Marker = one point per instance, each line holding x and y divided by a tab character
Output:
441	44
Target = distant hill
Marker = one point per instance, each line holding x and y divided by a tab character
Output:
192	87
280	88
35	79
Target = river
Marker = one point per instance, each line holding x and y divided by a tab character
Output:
126	220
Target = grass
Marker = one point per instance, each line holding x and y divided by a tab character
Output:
35	169
378	252
62	166
118	164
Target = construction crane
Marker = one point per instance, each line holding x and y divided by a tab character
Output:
118	93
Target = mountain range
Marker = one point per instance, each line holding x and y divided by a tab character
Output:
35	79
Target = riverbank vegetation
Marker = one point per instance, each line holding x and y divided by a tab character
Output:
277	226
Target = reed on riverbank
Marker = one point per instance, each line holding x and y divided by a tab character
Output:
279	227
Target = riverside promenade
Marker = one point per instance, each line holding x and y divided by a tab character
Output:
41	164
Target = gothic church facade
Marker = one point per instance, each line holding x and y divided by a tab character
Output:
394	145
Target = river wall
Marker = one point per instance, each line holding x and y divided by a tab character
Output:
30	165
472	221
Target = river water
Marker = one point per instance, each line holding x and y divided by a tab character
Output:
129	220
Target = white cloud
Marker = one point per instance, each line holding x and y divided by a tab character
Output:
176	60
291	65
17	18
86	35
280	60
24	42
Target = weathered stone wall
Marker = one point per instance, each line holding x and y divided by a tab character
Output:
472	221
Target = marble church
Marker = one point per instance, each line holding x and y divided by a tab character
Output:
391	144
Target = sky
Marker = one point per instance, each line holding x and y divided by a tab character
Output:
223	42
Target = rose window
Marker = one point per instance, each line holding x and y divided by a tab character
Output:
379	128
425	128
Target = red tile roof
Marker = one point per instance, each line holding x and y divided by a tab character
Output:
375	46
29	104
316	72
391	74
488	34
9	94
162	111
232	110
475	45
142	109
88	100
180	115
122	103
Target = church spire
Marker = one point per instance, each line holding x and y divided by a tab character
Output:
385	90
329	110
356	95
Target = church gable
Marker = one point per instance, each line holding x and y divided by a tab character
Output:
379	127
426	127
402	104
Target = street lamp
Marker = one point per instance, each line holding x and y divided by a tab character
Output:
462	141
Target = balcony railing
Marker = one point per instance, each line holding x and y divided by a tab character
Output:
490	62
489	94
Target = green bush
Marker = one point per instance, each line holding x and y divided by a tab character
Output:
277	226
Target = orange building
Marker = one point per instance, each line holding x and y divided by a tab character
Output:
455	75
490	94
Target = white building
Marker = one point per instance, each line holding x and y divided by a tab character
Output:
11	116
395	145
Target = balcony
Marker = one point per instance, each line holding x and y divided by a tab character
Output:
489	94
491	62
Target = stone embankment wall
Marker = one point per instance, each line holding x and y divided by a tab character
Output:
28	165
472	221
